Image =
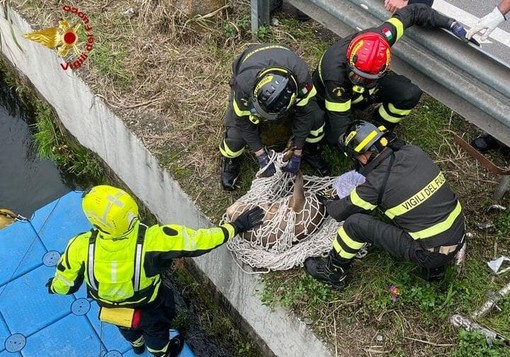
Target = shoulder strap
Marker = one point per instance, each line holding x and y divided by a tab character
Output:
385	181
90	265
142	228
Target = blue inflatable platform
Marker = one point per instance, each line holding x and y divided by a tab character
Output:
34	323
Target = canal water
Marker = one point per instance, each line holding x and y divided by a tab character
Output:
27	182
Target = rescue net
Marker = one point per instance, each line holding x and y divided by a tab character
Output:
295	223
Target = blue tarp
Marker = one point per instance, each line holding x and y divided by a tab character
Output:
35	323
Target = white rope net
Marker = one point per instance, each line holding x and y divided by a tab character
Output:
295	225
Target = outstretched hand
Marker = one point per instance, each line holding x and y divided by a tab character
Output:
293	164
326	198
487	24
266	164
248	220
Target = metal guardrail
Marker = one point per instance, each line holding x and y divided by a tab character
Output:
470	82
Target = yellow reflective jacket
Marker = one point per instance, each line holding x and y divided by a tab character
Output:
126	272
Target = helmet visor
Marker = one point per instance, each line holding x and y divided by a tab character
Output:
361	81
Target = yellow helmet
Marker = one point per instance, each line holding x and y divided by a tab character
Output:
111	210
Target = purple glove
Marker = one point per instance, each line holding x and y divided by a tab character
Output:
293	164
458	30
263	162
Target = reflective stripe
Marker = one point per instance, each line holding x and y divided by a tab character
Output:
138	267
66	282
314	140
90	270
417	199
318	132
399	26
270	47
305	100
348	241
394	110
365	142
440	227
338	107
160	352
358	201
387	116
230	229
113	272
358	99
225	151
238	111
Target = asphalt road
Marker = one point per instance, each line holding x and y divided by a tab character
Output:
468	12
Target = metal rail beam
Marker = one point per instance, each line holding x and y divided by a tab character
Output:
470	82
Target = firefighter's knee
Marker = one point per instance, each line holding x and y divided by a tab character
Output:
233	144
410	97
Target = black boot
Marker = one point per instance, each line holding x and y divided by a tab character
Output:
433	274
329	270
312	155
230	169
175	347
138	350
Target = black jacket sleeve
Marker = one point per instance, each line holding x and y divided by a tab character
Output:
421	15
426	2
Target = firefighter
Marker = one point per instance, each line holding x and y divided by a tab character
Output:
402	181
270	83
353	72
121	261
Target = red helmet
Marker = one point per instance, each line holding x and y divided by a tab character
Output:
369	55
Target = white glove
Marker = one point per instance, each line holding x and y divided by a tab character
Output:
347	182
488	23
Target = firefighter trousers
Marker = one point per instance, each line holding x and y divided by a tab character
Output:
154	325
364	228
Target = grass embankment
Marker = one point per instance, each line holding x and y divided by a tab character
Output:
167	76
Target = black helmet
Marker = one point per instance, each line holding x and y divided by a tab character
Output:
274	93
362	136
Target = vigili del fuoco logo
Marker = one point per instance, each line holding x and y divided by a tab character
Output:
64	38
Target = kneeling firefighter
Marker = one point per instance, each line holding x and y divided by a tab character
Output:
270	83
121	261
427	223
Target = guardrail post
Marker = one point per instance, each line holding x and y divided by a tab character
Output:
261	13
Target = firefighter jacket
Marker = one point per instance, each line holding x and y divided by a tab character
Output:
244	73
410	190
426	2
126	272
331	76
